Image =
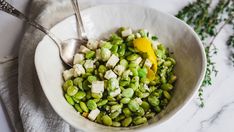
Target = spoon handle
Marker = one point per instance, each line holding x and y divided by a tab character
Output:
80	26
8	8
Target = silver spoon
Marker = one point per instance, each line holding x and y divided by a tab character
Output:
67	48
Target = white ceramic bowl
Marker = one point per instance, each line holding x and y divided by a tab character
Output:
99	22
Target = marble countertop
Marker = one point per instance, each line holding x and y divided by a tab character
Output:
216	116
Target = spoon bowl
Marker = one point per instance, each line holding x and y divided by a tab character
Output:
69	48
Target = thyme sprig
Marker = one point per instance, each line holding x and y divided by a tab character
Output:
206	23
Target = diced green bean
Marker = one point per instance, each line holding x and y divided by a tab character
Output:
96	95
157	109
132	57
124	83
114	48
116	124
126	122
105	54
90	54
135	79
91	104
122	50
154	101
145	80
134	71
67	84
107	120
80	95
145	105
128	92
149	115
167	63
89	70
92	79
133	65
88	94
78	108
143	33
130	37
112	103
163	80
139	120
127	112
105	44
103	102
69	99
113	83
116	107
85	85
172	60
114	114
102	69
110	98
123	62
142	72
99	117
133	106
172	79
120	118
167	95
72	90
140	111
125	100
167	86
84	107
78	82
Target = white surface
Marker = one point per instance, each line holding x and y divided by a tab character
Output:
186	47
218	113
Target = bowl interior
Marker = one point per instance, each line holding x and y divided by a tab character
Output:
101	21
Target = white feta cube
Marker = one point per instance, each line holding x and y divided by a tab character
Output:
148	63
138	60
138	35
78	70
93	114
138	100
110	74
92	44
78	58
119	69
97	87
98	54
126	32
155	44
83	49
68	74
146	87
89	64
115	92
113	60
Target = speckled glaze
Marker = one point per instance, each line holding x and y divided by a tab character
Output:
99	22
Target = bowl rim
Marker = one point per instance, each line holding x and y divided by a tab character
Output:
169	115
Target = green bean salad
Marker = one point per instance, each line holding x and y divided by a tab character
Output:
122	81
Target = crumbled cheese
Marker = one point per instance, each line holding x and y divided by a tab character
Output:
97	87
138	100
119	69
78	58
110	74
115	92
93	114
92	44
83	49
148	63
68	74
126	32
89	64
138	60
98	54
78	70
113	60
